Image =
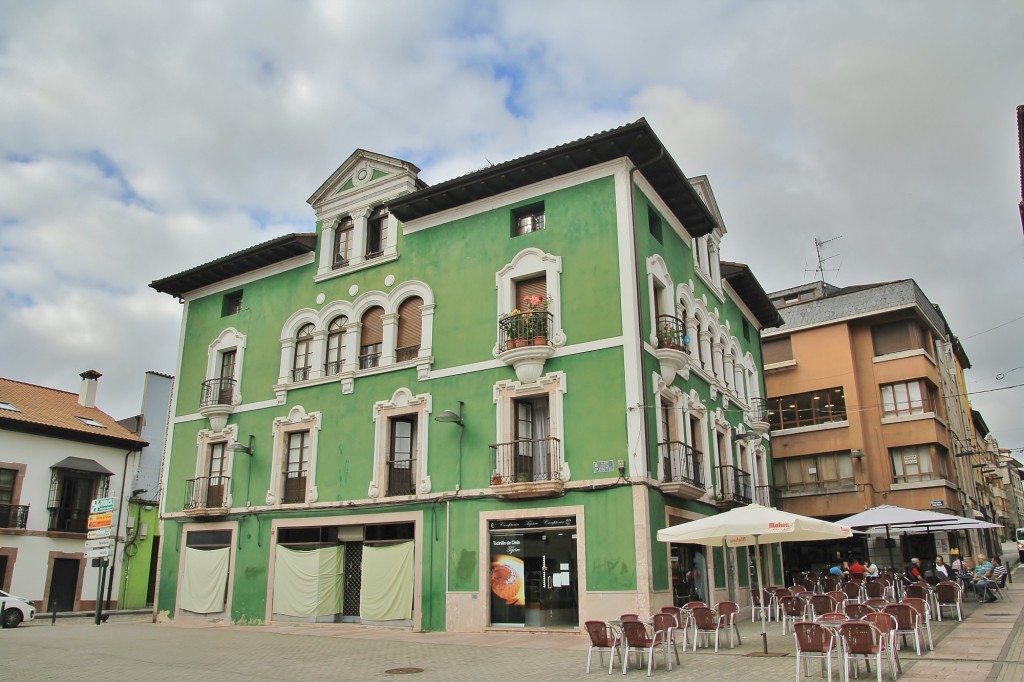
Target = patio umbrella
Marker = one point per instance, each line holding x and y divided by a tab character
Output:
888	515
752	525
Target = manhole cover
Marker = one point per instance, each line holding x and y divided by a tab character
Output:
403	671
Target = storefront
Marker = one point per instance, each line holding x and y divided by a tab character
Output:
533	579
689	573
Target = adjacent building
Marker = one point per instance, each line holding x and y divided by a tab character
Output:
58	452
868	405
469	405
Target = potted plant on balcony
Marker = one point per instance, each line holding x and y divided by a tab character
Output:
668	337
513	325
495	478
537	319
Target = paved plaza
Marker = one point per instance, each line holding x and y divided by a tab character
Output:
988	645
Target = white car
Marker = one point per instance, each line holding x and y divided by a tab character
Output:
15	610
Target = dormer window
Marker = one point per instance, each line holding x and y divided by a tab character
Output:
343	243
376	233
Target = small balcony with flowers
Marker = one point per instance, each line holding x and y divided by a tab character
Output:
673	347
527	468
524	338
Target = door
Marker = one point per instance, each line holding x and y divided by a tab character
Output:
558	596
64	584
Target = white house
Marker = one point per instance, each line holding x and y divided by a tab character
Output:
57	453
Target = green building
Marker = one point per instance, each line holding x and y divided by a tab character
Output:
469	405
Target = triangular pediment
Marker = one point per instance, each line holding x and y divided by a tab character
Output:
360	170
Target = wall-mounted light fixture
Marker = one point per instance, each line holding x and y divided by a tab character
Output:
746	436
857	454
247	449
449	417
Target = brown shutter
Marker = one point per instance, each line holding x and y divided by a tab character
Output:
893	337
410	322
373	327
777	350
527	288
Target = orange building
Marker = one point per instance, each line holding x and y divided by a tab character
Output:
867	407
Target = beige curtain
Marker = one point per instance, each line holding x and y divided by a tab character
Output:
205	579
386	592
308	583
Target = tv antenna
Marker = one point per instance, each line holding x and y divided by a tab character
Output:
822	260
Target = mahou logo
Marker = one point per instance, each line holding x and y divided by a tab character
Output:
775	525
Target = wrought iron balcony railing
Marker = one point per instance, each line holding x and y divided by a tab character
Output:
681	463
526	460
206	492
401	478
671	332
301	373
525	329
369	360
407	353
294	487
217	392
334	367
733	485
13	515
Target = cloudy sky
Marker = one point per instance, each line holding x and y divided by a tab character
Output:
141	139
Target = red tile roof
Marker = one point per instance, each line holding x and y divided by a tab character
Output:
57	413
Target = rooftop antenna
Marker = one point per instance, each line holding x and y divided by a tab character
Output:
821	269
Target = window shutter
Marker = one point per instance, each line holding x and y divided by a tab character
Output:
777	350
410	322
528	288
373	326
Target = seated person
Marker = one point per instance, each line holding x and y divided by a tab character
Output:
857	568
871	570
836	571
983	579
913	572
999	572
940	570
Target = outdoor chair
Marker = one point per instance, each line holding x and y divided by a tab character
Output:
693	604
854	590
808	584
855	611
924	613
602	638
793	609
777	594
829	584
1000	586
666	624
757	598
906	623
832	616
821	603
861	640
706	622
682	621
947	593
838	595
886	624
877	603
629	616
875	590
916	590
636	637
813	640
727	611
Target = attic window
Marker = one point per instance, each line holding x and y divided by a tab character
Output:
8	406
232	304
91	422
528	219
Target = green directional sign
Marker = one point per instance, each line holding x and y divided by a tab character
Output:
102	504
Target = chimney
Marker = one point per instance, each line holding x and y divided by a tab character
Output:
87	392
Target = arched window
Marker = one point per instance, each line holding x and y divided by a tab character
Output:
303	353
410	325
333	360
372	338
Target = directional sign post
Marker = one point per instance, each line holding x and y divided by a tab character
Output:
104	520
100	533
99	544
101	517
97	554
102	504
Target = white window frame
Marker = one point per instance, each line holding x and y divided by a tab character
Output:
228	340
296	420
530	263
554	386
402	403
206	438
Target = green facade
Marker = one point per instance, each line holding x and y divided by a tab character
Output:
598	390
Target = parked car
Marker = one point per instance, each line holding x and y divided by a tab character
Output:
15	610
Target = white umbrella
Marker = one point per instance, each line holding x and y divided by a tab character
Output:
888	515
745	526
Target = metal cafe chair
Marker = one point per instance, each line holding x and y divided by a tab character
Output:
706	622
793	609
855	611
666	624
924	620
603	638
860	640
906	623
727	611
947	593
813	640
637	639
886	624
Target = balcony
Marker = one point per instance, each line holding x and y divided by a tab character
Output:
682	470
206	496
401	480
407	353
524	343
733	487
301	373
527	468
332	368
13	515
294	487
767	496
369	360
757	416
217	401
672	351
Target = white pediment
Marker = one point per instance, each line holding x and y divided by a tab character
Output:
359	174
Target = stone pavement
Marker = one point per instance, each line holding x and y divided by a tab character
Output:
988	645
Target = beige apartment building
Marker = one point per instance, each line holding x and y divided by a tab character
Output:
867	405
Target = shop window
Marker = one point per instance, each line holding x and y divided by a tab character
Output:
528	219
807	409
918	463
335	360
303	358
232	303
907	398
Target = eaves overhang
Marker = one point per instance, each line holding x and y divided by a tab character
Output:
235	264
636	141
750	291
134	444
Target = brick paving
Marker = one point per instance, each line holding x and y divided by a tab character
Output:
988	645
